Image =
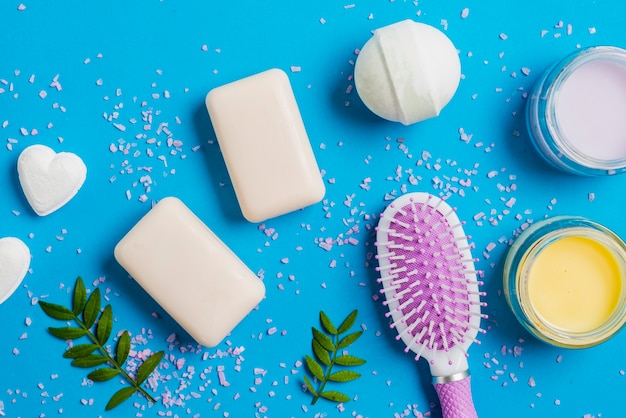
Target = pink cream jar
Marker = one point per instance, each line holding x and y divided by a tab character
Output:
576	113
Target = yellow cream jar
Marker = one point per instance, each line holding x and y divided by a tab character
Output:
565	280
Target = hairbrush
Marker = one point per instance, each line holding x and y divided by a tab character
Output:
431	289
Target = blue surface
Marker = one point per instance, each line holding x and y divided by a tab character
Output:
146	48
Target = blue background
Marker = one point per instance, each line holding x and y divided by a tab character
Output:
123	58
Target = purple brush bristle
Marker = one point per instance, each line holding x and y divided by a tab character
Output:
431	289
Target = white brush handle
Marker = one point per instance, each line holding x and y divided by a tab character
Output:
455	396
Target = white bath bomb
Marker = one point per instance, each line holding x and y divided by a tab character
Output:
407	72
49	179
14	263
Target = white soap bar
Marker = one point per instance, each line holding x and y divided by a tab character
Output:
189	271
265	145
407	72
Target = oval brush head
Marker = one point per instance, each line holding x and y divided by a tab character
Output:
431	289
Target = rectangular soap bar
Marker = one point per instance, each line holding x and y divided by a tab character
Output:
265	145
189	271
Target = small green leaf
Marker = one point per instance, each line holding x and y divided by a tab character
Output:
80	296
119	397
105	325
123	348
81	350
349	339
91	360
56	311
323	339
314	367
321	353
348	322
309	386
335	396
327	324
347	360
67	333
326	343
92	308
84	312
148	366
103	374
344	376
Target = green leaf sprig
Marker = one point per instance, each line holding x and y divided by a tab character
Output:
84	313
328	349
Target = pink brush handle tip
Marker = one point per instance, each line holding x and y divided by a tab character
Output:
456	399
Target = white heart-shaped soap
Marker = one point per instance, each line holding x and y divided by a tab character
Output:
14	263
49	180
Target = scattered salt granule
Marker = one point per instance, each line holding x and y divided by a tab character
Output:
55	83
464	13
592	30
21	7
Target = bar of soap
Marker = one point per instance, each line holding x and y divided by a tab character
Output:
189	271
265	145
407	72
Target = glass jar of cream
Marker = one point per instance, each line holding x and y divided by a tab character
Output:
565	280
575	112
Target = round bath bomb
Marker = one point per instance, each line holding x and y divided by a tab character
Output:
407	72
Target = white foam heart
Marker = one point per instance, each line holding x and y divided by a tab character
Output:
49	180
14	263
